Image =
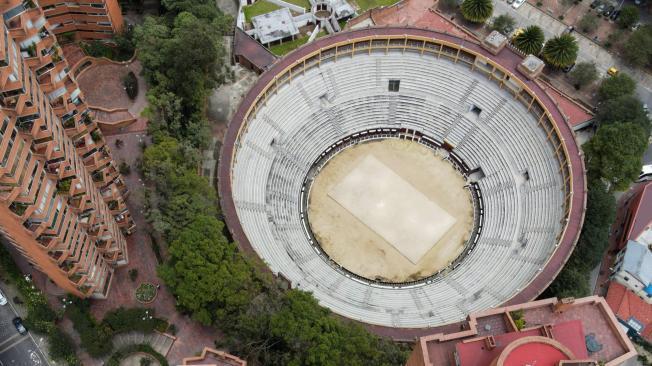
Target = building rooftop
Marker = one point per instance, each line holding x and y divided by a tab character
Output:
482	351
638	261
586	327
251	50
641	210
495	39
631	309
576	115
274	26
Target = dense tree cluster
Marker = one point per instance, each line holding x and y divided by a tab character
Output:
613	160
638	48
215	283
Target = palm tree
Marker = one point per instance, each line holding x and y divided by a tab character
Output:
561	51
477	11
530	40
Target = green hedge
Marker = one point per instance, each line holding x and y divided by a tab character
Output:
96	337
124	352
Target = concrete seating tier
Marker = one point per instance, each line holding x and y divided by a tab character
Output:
522	188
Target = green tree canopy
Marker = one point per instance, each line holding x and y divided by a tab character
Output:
589	23
624	108
207	273
477	11
183	60
629	15
503	24
638	48
614	153
584	73
530	41
616	86
561	51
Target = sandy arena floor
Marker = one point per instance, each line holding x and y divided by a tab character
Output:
361	250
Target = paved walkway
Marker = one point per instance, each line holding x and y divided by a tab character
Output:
528	15
191	336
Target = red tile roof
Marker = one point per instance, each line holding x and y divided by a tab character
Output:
573	112
626	304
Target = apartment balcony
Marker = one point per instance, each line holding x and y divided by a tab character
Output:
19	208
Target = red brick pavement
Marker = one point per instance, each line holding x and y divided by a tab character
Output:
508	60
102	86
191	336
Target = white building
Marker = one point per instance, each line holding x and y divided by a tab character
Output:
633	269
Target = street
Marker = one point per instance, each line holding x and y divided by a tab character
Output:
16	349
589	51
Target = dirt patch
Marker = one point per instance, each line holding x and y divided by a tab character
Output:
361	250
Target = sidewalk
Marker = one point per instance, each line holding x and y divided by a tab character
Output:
528	15
11	292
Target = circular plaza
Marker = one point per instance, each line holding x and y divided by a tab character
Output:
403	176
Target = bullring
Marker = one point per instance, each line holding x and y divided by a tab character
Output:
504	133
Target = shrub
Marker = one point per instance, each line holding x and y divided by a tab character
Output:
119	143
124	320
130	83
133	274
145	361
124	168
146	292
122	353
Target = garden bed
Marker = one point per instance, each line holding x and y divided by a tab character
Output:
146	293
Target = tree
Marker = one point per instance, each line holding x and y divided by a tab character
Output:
530	41
182	62
208	275
594	239
571	282
561	51
638	48
629	15
503	24
588	23
624	108
477	11
616	86
614	154
584	73
448	4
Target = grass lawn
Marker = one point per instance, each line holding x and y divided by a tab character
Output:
370	4
301	3
258	8
287	47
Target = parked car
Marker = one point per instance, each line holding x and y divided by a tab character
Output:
517	3
3	299
607	12
510	1
615	15
594	4
600	9
646	173
635	26
18	323
612	71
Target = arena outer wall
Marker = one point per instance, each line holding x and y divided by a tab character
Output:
508	61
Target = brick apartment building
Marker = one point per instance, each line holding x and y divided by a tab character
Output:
62	199
88	19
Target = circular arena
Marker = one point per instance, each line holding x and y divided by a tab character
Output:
403	176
